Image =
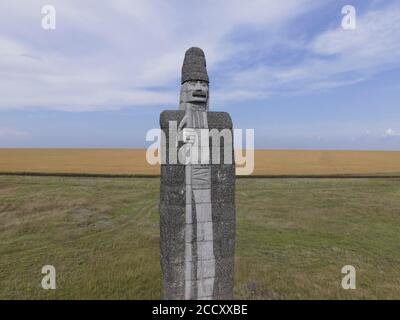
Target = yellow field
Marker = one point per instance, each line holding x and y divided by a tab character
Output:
293	162
133	161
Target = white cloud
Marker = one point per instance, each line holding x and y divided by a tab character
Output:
129	53
335	58
9	133
372	45
122	53
391	133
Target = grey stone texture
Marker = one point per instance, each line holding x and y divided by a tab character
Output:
194	65
216	120
197	200
172	219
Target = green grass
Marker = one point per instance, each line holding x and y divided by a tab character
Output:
293	237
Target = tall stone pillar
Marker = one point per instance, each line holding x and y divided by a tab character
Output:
197	192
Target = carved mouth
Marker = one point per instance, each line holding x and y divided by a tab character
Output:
199	94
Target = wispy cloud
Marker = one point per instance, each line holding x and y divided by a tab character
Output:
9	133
129	53
333	58
391	133
119	53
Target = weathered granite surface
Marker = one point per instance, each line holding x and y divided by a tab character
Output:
194	66
197	201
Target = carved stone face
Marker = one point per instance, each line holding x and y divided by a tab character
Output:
195	92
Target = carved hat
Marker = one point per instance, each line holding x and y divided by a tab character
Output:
194	65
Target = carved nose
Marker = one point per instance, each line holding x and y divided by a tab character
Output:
199	93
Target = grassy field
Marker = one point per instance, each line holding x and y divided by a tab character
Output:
133	161
293	237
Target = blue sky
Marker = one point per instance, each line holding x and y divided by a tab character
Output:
286	69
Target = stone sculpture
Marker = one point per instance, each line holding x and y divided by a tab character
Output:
197	208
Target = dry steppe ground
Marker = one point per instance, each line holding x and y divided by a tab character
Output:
293	237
